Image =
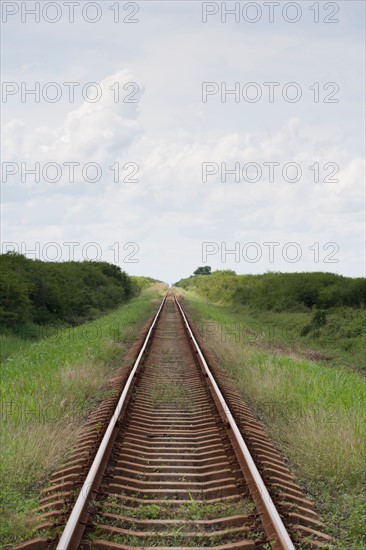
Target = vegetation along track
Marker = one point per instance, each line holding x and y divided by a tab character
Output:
172	469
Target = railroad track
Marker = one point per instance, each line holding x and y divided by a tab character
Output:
172	469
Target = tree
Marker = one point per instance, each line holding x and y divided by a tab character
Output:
58	292
206	270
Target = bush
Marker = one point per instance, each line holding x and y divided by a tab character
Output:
44	293
318	320
205	270
280	291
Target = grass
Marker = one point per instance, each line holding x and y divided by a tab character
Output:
189	533
13	343
198	510
176	536
47	390
341	341
315	412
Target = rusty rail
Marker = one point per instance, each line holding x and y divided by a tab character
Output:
270	517
72	527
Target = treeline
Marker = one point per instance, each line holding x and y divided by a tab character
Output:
280	291
67	293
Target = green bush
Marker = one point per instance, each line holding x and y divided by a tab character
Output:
280	291
52	293
318	320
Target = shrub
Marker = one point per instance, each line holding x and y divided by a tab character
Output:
58	292
280	291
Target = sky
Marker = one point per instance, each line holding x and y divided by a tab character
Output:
163	136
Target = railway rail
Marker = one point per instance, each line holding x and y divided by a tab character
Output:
173	469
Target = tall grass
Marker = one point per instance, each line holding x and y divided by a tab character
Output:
10	344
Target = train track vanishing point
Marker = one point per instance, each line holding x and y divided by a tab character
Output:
172	469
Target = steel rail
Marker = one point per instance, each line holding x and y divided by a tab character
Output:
271	518
73	522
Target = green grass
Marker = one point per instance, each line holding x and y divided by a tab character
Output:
176	537
10	344
341	341
19	340
47	390
314	411
191	510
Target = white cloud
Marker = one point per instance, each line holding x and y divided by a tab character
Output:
94	130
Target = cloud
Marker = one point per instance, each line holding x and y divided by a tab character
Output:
94	131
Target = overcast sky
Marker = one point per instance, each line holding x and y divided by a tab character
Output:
158	112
